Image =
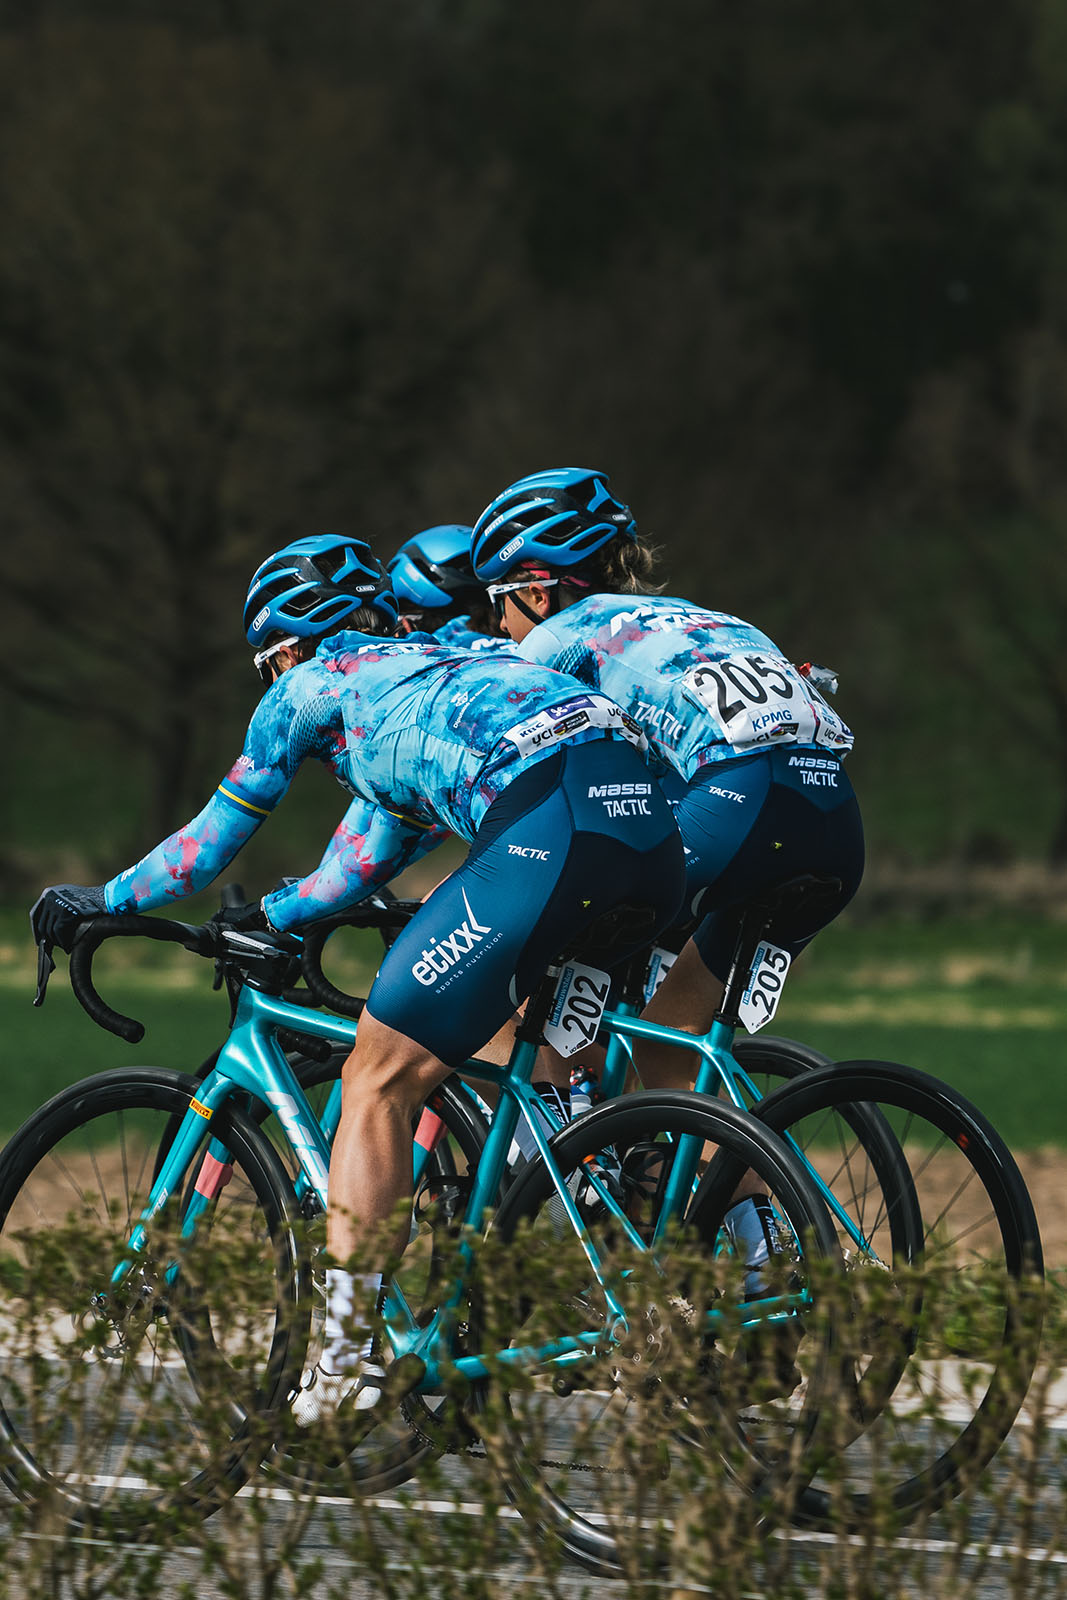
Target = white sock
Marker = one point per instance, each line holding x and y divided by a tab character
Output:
351	1301
748	1225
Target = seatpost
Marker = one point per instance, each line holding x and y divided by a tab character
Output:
756	919
630	982
754	924
530	1029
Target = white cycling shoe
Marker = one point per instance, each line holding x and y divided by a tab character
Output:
323	1396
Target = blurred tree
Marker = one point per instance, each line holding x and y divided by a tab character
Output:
213	338
794	276
979	475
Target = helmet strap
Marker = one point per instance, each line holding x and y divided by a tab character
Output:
528	611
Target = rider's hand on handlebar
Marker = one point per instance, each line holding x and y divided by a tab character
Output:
250	918
59	910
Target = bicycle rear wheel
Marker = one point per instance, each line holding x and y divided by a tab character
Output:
958	1317
872	1201
107	1422
614	1448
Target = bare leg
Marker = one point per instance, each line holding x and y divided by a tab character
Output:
686	1000
384	1081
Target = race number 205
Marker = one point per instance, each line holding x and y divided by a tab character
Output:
760	1001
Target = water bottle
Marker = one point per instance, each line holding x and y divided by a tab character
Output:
585	1094
559	1113
585	1090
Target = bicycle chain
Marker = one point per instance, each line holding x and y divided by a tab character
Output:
564	1466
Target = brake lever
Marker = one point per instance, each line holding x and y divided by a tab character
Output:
45	968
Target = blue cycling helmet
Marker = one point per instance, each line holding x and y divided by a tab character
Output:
310	586
558	518
433	568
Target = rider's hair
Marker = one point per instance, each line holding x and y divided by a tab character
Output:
624	566
368	619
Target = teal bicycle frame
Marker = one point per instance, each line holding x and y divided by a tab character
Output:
718	1071
251	1062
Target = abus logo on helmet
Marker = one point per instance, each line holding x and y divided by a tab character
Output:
510	549
505	516
260	617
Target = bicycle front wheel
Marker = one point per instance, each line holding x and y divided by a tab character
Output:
422	1426
957	1318
771	1060
136	1384
613	1446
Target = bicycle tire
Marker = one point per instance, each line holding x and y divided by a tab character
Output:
421	1427
874	1194
102	1415
776	1057
399	1444
550	1446
974	1294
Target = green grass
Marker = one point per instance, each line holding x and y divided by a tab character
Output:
981	1003
45	1050
163	986
1015	1079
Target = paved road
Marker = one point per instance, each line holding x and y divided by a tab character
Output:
440	1541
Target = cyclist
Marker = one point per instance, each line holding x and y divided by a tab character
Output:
434	583
506	754
748	749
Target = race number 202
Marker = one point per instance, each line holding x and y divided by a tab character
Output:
578	1005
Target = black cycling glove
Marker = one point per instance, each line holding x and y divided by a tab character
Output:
57	912
249	918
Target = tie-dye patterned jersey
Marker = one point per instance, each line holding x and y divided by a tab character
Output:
425	736
458	631
704	686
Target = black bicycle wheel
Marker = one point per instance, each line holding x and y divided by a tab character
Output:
106	1421
611	1451
771	1060
859	1202
960	1315
872	1201
403	1439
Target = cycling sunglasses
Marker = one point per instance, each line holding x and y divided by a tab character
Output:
261	659
497	592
